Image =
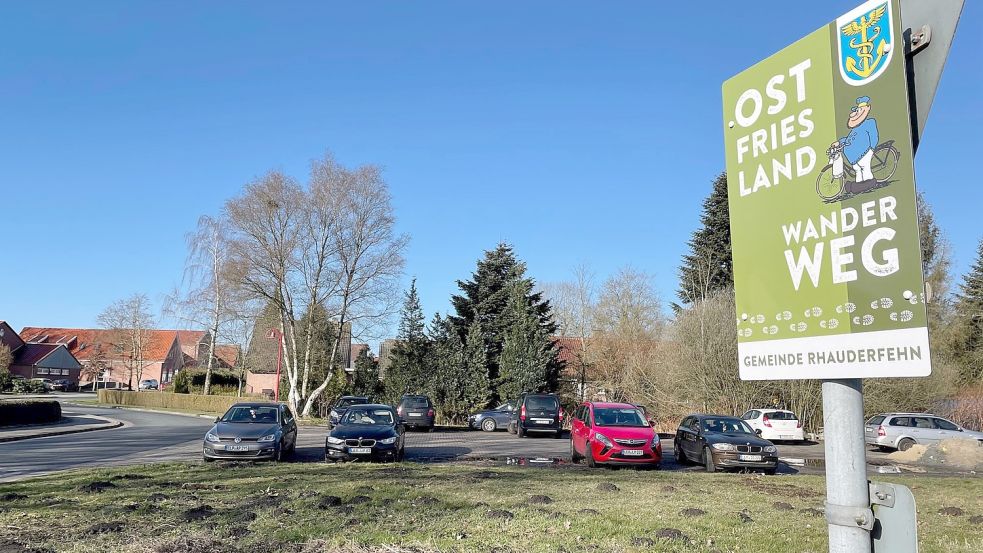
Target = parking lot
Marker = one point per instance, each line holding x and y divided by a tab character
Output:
453	444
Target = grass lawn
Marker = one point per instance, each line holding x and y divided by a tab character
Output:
170	508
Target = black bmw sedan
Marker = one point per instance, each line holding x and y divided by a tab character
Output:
366	432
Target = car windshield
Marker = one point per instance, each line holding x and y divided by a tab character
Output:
359	415
541	402
727	425
416	403
349	401
256	413
781	416
622	416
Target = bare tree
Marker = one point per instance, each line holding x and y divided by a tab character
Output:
131	322
574	305
206	298
331	245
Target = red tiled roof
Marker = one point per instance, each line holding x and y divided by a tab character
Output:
29	355
82	342
228	354
189	341
567	349
357	350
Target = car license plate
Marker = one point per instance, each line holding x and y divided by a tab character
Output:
543	421
359	450
750	457
633	452
416	414
237	448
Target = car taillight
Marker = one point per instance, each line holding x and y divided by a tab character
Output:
430	413
766	421
399	410
522	413
562	414
880	431
798	424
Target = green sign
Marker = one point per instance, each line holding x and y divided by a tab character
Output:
827	262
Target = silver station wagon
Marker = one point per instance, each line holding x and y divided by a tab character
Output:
902	430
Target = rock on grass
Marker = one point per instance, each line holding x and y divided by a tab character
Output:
692	512
540	500
976	519
783	506
608	487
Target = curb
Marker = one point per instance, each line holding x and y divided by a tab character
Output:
113	423
142	410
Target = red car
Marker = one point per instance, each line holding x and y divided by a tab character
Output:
613	433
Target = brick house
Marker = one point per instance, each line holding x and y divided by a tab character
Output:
32	360
162	355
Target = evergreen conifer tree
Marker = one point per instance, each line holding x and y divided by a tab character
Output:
408	371
528	353
477	388
365	380
969	310
485	299
709	265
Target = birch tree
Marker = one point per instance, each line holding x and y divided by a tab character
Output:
331	243
131	322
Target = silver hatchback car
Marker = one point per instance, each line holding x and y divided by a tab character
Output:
902	430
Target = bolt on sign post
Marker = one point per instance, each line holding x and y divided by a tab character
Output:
827	262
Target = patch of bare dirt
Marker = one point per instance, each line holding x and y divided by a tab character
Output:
97	486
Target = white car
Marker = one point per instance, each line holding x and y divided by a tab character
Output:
775	424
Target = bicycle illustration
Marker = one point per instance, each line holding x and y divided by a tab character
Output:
832	180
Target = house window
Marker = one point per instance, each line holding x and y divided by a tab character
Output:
42	371
66	372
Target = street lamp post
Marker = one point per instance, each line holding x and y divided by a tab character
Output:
276	334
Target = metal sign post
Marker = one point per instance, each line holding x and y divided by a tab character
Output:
820	141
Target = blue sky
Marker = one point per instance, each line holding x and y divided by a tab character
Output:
580	132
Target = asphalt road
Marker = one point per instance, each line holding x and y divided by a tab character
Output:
156	437
144	438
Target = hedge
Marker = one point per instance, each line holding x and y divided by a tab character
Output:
29	411
170	400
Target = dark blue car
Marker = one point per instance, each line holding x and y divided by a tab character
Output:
491	420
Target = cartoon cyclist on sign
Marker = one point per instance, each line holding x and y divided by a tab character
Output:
858	145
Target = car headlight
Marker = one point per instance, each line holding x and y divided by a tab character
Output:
723	447
603	439
267	438
334	414
336	441
388	441
771	449
656	441
209	437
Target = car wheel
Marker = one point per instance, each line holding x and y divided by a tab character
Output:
905	444
708	460
680	454
591	462
488	425
519	431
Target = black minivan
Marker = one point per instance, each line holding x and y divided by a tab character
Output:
416	411
537	413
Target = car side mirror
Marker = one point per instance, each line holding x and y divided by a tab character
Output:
758	432
652	423
218	419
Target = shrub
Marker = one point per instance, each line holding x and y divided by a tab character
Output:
26	386
6	380
29	411
192	381
170	400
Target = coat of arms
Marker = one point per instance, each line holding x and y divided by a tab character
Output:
865	39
